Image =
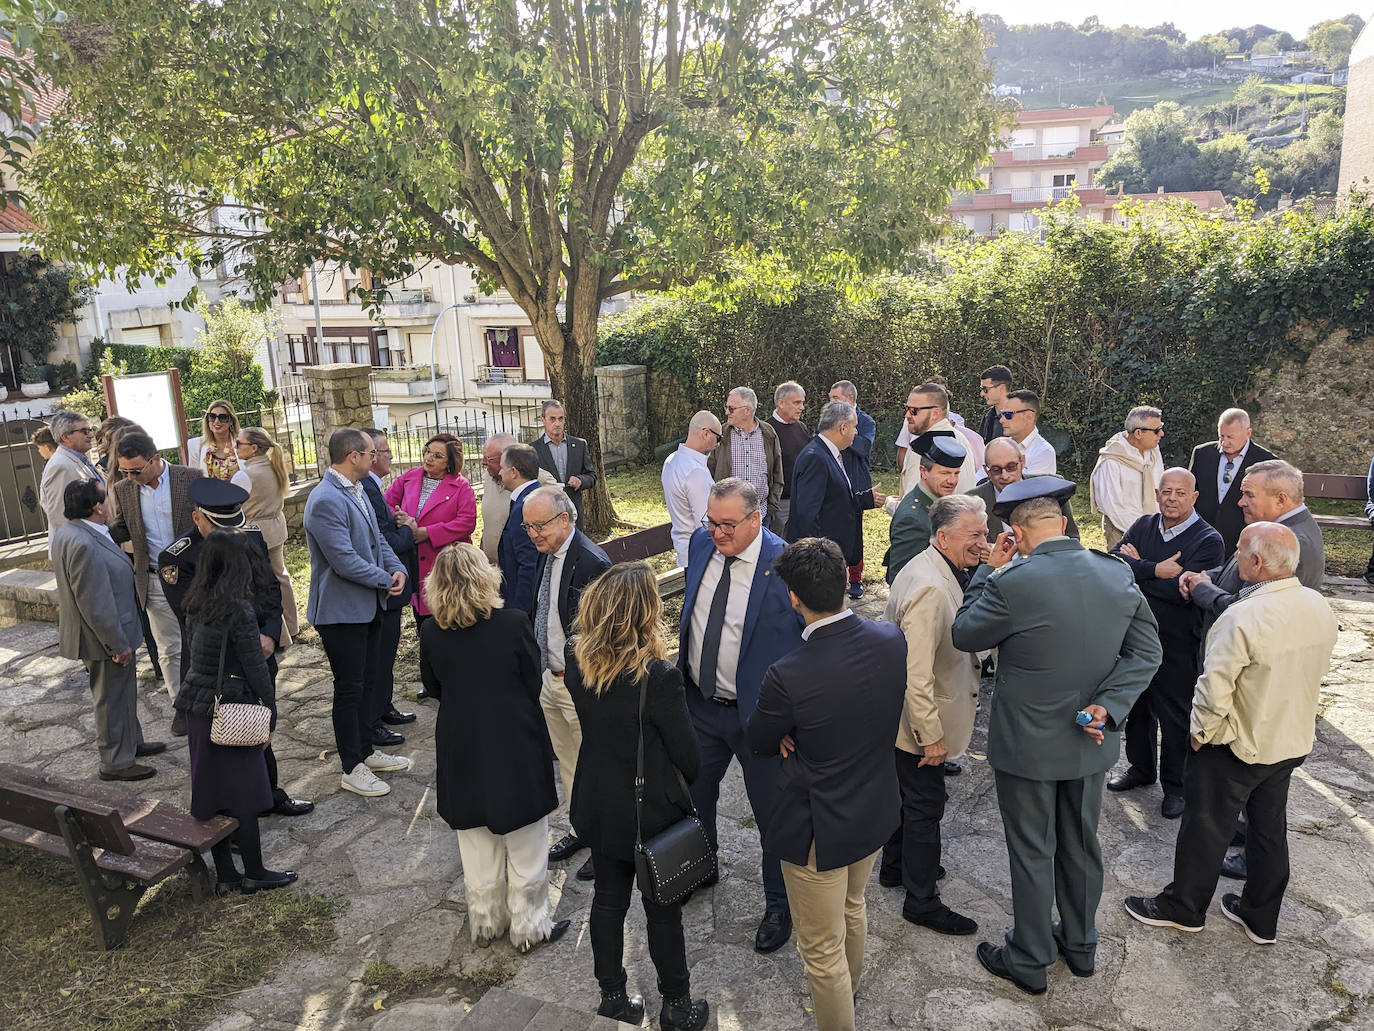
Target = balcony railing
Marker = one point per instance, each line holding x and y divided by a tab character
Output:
1041	194
1043	152
500	374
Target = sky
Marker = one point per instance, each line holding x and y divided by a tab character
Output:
1193	18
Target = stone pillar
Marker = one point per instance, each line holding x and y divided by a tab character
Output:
340	396
622	399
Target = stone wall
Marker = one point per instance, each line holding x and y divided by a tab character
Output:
622	396
340	395
670	410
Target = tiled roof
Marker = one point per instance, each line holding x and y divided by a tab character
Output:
1063	114
1206	200
46	103
14	219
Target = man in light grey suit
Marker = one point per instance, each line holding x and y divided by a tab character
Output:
352	571
74	435
98	624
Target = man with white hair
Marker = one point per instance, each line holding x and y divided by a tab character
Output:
750	451
1253	723
1127	473
495	497
69	463
687	481
789	400
1220	465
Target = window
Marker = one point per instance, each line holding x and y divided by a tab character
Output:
1023	138
146	336
1060	140
503	347
349	344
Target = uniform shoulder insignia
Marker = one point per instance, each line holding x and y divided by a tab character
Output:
177	547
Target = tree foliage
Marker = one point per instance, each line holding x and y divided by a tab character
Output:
21	26
41	297
1334	40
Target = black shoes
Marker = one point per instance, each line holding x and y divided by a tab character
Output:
1075	968
150	748
1230	909
995	964
856	590
943	921
684	1014
951	769
1172	807
134	772
586	872
1132	778
628	1009
1148	912
422	694
396	718
383	738
559	928
565	848
269	880
1234	867
179	724
291	807
773	932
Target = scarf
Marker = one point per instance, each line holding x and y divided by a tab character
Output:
1118	450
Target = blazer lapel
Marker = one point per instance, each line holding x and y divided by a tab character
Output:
104	541
763	571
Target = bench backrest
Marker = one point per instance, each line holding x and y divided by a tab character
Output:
1335	486
35	807
641	544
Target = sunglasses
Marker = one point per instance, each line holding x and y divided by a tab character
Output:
1150	429
220	417
1009	414
917	409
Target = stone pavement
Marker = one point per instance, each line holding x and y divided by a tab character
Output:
398	865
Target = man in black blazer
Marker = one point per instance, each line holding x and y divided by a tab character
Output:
565	457
516	554
1219	466
402	542
824	503
837	799
568	562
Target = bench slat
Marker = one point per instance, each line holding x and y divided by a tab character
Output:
32	806
1333	522
1335	486
640	544
153	862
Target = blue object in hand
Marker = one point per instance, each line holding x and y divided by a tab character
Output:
1083	719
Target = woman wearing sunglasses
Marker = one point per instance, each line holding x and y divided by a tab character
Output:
213	451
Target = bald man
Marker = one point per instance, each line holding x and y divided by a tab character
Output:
1159	548
687	480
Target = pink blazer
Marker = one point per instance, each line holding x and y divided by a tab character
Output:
450	515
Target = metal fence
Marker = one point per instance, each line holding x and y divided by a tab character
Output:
21	472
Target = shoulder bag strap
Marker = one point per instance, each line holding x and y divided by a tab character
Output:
639	763
219	676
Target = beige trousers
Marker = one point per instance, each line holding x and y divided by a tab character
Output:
564	729
1111	532
831	918
506	883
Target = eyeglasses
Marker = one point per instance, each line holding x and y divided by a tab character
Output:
917	409
441	456
732	409
137	473
369	453
1008	414
715	433
539	527
728	529
998	470
383	451
84	429
219	417
244	443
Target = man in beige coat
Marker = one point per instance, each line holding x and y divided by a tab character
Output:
941	697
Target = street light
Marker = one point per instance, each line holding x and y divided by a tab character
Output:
433	368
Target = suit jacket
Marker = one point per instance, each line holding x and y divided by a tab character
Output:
941	680
1071	629
858	457
62	468
721	463
583	563
518	558
824	502
97	615
839	789
495	509
772	627
450	515
988	493
579	465
1215	597
128	524
909	534
350	561
401	539
1223	513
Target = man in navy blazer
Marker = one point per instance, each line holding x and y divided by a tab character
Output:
824	499
857	459
402	541
515	553
737	620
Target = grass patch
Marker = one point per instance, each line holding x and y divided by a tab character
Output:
389	985
178	963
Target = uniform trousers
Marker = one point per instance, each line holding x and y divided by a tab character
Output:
114	690
353	650
1051	831
565	732
506	882
831	918
167	632
913	851
1219	786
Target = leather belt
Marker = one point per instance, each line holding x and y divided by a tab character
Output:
729	703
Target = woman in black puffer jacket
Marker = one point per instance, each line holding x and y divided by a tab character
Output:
222	630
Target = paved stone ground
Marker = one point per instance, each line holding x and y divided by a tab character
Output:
399	866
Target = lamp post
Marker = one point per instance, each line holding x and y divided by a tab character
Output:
433	368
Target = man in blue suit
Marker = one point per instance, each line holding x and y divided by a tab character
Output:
515	553
737	620
826	504
857	464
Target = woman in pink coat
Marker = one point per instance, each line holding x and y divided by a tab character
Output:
438	504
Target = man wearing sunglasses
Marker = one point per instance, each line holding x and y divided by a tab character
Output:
1127	473
1020	416
927	411
687	480
74	434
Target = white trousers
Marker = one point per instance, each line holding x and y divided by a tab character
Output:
506	882
167	634
565	730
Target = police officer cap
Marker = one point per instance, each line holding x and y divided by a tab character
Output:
218	501
1028	489
942	447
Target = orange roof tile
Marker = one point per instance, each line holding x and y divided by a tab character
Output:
14	219
1207	200
1063	114
46	102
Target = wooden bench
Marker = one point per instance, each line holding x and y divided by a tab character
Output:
1337	487
644	544
120	845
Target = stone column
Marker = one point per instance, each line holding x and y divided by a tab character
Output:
622	398
340	396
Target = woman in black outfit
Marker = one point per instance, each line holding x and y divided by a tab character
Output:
620	642
220	622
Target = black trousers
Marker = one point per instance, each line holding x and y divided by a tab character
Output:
913	851
1166	704
1218	786
353	650
1369	569
383	692
610	904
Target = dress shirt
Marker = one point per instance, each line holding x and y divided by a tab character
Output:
155	502
732	633
1291	514
1174	531
520	492
355	491
1223	487
558	637
686	488
835	453
84	460
101	527
806	630
559	452
749	459
1040	457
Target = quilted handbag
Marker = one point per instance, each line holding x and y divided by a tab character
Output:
677	860
237	724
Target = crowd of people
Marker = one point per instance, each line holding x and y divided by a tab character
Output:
540	652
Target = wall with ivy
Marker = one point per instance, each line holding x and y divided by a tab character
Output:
1185	312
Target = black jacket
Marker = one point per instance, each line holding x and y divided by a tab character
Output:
603	798
1222	514
401	539
246	678
991	427
583	563
839	788
579	465
494	763
824	503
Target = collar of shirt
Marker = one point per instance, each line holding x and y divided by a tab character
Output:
1240	455
748	557
344	481
806	632
375	478
830	446
961	576
101	527
549	441
1174	531
156	485
563	549
1292	514
779	416
747	433
690	454
522	489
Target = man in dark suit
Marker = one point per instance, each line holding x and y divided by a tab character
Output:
737	620
826	505
837	799
1158	548
568	562
516	554
565	457
857	459
1220	465
1074	635
993	386
1005	464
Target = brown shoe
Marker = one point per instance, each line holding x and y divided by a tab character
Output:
179	724
134	772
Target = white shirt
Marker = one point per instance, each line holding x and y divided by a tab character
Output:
732	632
806	631
558	637
155	503
1174	531
1040	457
102	528
686	487
521	490
1119	491
1222	487
1292	513
835	453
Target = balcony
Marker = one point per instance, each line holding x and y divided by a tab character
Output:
1049	152
412	304
404	384
1040	195
490	374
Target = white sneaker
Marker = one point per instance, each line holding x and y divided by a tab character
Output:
362	781
383	763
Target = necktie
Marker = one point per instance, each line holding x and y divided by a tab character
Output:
1226	473
715	622
541	613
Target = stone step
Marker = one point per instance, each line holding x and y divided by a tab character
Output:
27	594
502	1010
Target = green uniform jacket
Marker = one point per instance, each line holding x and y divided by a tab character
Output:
1072	630
909	534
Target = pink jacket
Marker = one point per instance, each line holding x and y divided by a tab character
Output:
450	515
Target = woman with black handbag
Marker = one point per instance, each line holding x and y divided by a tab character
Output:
634	716
229	703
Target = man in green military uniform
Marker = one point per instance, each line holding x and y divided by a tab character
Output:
1074	635
942	455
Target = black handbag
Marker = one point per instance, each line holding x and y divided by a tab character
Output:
677	860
